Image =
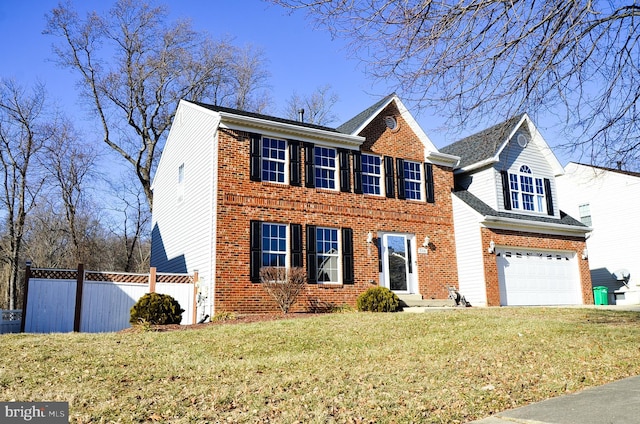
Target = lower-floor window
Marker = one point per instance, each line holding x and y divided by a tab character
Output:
274	244
329	251
327	254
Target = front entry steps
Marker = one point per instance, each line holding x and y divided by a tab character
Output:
415	302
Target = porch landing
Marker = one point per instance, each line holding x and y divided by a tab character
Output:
415	303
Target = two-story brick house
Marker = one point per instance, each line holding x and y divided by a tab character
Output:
368	203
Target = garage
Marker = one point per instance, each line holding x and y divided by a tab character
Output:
537	277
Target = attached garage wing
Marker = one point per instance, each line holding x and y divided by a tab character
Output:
536	277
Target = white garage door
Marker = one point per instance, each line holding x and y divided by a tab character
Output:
531	277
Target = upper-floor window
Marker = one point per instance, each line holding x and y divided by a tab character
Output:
412	180
274	160
325	167
585	214
371	174
527	191
180	187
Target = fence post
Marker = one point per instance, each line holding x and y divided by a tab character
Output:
194	306
152	279
79	286
27	276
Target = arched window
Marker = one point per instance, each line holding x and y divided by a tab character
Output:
527	191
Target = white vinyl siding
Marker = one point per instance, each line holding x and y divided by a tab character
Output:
183	231
614	201
469	251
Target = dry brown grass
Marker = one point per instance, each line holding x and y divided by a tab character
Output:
443	367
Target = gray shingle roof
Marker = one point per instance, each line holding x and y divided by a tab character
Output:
482	145
356	122
484	209
261	116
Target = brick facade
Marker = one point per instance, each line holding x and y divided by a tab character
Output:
241	200
532	241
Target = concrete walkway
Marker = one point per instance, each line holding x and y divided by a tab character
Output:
617	402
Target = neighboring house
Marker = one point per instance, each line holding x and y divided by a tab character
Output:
368	203
514	244
605	199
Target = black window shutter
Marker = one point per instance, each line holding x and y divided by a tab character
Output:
256	251
548	196
379	245
309	168
296	245
312	273
357	172
389	178
345	171
347	256
400	170
506	192
409	258
256	157
294	163
429	186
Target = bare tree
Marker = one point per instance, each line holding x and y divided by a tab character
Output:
132	248
71	166
472	59
317	106
134	67
24	130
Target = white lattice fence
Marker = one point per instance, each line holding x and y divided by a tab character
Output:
11	320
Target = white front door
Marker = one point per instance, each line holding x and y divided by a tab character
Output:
398	262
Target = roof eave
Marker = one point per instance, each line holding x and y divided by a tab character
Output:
247	123
499	222
478	165
443	159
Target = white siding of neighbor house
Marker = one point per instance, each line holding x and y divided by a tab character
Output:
469	247
513	157
614	201
184	223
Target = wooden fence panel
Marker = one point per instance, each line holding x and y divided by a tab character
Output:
106	306
51	306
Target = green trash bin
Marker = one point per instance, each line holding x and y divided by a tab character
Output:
600	295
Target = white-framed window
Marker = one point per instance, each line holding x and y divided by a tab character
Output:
371	174
274	160
584	211
180	186
412	180
326	167
274	244
328	255
527	191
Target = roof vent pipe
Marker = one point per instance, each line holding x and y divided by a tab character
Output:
301	115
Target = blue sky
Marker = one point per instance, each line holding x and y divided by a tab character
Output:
300	58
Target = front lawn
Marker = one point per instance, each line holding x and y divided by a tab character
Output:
443	367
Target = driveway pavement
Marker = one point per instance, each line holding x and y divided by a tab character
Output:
617	402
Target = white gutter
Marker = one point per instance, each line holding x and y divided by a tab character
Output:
534	226
443	159
248	123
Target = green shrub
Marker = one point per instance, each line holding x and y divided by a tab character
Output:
156	309
378	299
